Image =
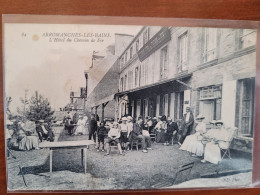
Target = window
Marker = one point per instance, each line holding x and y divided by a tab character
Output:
247	38
145	107
137	44
125	83
122	61
138	108
246	107
164	63
130	79
133	108
125	57
165	104
131	52
122	84
157	105
136	77
210	44
183	52
145	36
211	102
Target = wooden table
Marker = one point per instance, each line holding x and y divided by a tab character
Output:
69	145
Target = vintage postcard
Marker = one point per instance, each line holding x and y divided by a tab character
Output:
110	107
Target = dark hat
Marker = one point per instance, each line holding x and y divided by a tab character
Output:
163	118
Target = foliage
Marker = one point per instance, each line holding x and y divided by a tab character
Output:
39	109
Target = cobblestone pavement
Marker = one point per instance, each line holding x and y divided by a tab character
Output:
135	170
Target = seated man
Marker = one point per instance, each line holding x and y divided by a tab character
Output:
137	134
172	129
113	136
45	130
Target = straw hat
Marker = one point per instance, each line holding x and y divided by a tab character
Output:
129	118
200	117
219	122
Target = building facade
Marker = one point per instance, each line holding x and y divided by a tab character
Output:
165	69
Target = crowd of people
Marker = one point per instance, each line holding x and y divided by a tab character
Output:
189	132
26	135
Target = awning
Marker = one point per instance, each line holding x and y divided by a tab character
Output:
155	84
102	101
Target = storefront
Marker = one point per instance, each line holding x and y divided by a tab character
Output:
170	98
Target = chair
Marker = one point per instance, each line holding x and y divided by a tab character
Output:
153	137
113	145
225	145
136	144
13	162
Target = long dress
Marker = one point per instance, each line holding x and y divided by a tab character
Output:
27	142
212	151
80	127
192	143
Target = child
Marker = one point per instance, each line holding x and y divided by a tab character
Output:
101	132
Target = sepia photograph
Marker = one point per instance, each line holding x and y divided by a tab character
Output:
128	107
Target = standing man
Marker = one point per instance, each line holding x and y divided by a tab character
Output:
92	128
188	120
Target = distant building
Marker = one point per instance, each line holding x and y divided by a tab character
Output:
102	80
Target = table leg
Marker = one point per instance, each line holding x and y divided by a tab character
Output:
85	160
82	160
51	160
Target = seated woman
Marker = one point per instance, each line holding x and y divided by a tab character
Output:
113	136
161	128
27	137
212	151
192	143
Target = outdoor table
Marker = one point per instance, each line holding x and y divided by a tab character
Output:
68	145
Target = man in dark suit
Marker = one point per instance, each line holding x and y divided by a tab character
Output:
188	121
172	130
92	128
44	131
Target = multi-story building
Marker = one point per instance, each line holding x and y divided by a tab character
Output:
102	80
165	69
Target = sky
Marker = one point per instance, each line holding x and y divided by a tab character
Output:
33	60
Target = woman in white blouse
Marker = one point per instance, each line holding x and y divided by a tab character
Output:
218	136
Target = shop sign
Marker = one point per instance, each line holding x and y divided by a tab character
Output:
162	37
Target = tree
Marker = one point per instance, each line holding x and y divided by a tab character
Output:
22	111
39	109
